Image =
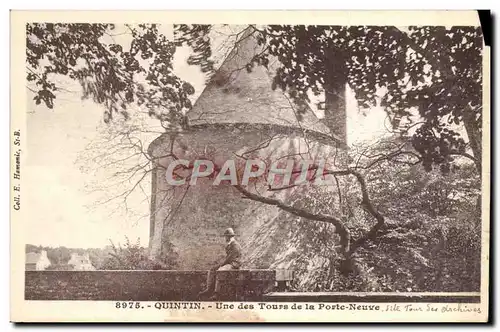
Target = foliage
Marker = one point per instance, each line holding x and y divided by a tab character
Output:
451	93
433	257
431	240
133	257
114	75
436	70
57	256
432	237
197	37
101	258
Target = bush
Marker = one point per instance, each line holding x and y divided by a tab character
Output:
431	240
432	237
133	257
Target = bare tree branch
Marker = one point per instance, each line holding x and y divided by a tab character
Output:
339	226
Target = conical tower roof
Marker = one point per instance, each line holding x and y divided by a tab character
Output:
235	95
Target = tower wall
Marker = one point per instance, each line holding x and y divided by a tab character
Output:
189	220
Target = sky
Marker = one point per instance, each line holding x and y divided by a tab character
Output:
65	213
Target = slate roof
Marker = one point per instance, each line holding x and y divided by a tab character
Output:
235	95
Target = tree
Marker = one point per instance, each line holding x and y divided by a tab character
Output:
132	257
60	255
436	70
109	74
432	70
431	240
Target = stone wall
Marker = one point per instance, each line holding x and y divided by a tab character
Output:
114	285
185	286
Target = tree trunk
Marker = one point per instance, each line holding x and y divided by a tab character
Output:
474	135
336	120
335	92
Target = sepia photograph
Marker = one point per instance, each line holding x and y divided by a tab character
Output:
297	169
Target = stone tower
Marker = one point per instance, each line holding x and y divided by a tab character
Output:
239	113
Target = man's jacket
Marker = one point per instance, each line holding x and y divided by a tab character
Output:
233	254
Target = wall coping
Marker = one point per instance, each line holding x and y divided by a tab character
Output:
374	297
368	294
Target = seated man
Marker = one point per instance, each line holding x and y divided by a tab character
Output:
232	262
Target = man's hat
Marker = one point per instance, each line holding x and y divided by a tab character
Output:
229	232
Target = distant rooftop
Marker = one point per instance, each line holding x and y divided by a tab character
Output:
32	257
